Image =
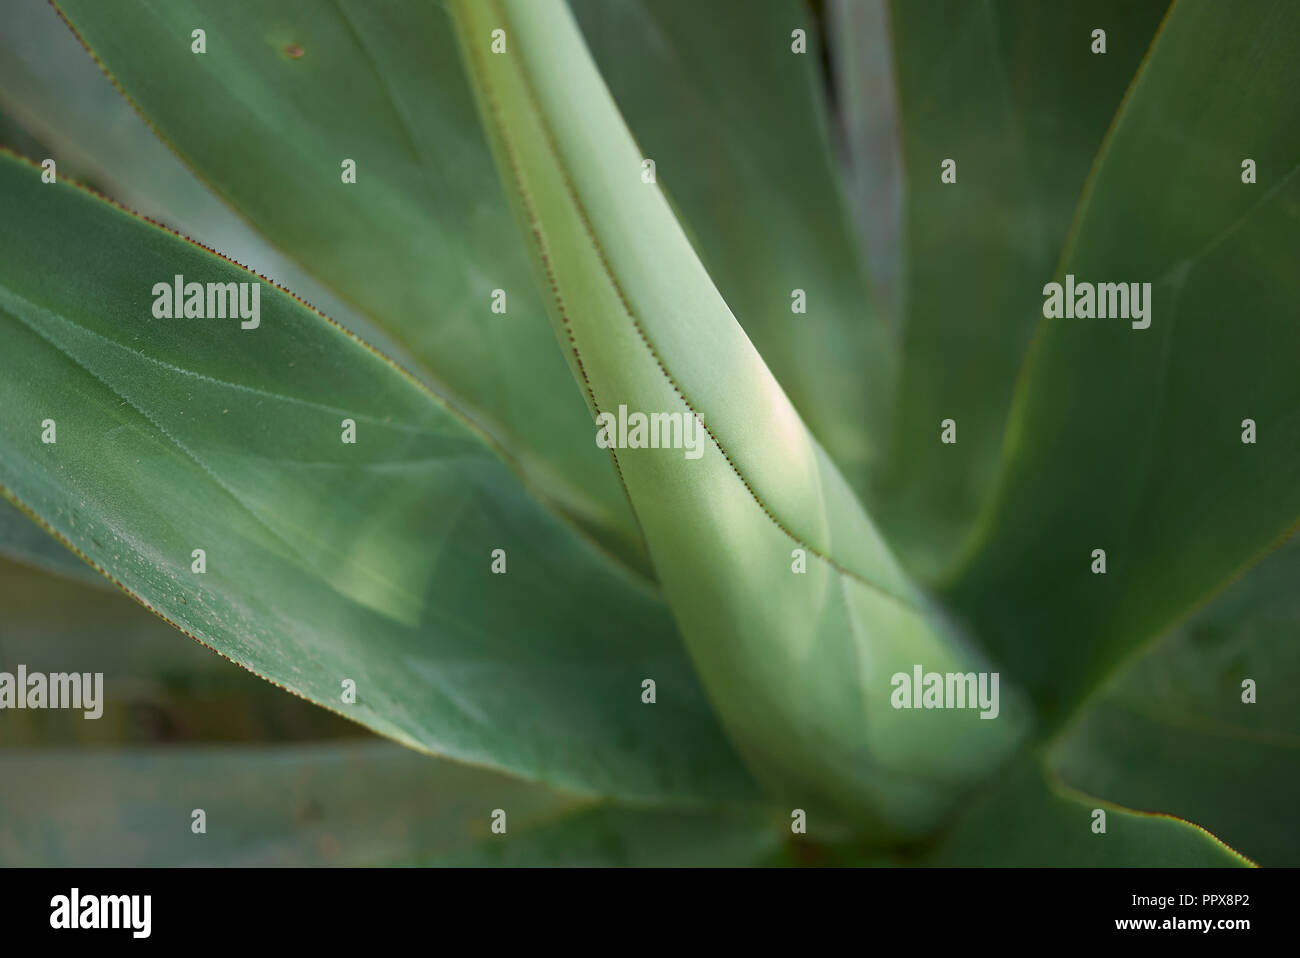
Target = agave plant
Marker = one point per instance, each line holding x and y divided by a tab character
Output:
703	461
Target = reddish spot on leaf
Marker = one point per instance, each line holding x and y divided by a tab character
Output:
294	50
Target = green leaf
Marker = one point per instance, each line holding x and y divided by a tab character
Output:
1012	92
1023	820
284	94
325	561
736	124
54	90
1130	440
799	665
22	540
1173	733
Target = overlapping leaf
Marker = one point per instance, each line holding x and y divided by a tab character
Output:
1012	92
1130	440
58	95
325	561
419	243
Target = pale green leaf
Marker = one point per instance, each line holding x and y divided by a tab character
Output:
736	123
798	664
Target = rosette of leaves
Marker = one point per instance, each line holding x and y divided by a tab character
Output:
519	214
